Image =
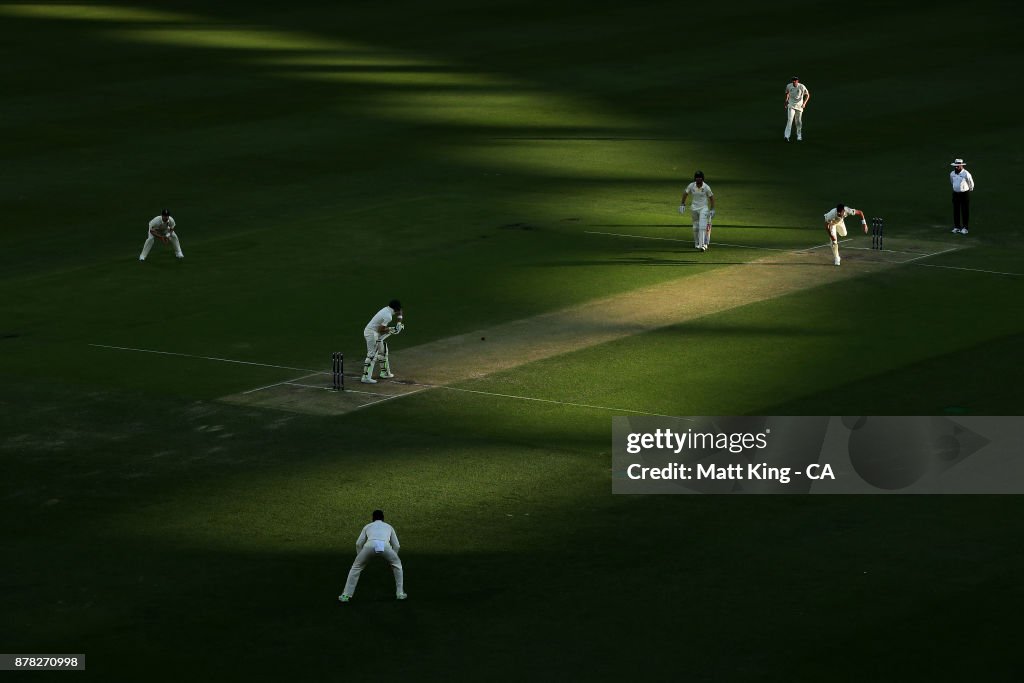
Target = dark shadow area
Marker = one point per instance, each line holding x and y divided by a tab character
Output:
740	564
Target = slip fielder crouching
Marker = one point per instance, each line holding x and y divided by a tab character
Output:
161	228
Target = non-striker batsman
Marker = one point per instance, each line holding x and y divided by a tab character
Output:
702	208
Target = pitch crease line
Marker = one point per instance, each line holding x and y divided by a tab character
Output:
277	384
937	253
346	391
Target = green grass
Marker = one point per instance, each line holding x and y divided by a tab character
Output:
322	158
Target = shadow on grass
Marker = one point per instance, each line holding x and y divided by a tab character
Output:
803	579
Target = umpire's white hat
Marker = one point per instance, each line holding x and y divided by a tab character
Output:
958	162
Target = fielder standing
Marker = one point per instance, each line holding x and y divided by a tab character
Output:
702	209
835	227
377	539
376	333
161	228
797	97
963	186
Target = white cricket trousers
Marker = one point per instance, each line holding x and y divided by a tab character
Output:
364	556
173	237
374	345
376	352
700	226
836	231
797	116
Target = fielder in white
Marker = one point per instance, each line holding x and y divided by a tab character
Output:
797	97
376	333
161	228
377	539
702	209
835	227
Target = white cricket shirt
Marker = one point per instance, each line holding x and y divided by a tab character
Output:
699	195
158	224
383	317
962	181
796	93
378	531
832	219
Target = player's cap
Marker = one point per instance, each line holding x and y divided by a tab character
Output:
165	213
795	79
395	304
958	162
698	174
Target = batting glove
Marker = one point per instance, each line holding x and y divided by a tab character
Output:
399	327
712	214
682	208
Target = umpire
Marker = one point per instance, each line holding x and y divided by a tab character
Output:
963	186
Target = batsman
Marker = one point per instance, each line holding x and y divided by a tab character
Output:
376	334
702	208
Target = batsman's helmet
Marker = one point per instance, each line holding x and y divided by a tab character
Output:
698	174
395	304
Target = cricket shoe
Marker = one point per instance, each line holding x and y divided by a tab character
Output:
837	262
387	375
344	598
956	230
400	596
367	380
703	247
799	138
963	231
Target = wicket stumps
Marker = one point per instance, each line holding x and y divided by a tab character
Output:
338	371
877	232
